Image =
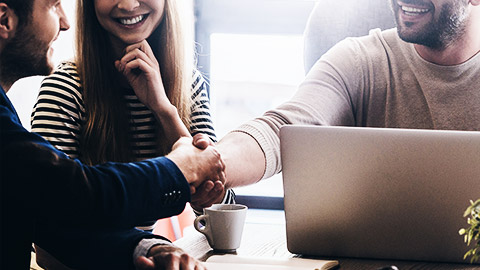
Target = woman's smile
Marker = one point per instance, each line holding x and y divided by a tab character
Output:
133	21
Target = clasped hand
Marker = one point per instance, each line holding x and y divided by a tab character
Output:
203	167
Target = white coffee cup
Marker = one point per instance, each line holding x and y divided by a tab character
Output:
223	225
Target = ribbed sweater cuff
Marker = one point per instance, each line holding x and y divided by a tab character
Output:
253	129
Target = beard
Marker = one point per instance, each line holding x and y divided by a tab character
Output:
23	56
438	33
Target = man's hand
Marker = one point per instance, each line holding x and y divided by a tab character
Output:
209	192
202	141
197	165
167	257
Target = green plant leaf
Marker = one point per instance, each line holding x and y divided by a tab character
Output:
472	233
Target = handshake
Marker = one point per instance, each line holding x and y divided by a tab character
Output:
203	167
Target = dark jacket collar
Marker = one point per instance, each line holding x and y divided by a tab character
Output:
5	101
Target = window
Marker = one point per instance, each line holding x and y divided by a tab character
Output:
252	52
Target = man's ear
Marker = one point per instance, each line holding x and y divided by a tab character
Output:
8	21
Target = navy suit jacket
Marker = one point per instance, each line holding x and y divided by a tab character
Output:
97	206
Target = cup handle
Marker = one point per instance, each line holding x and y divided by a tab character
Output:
205	229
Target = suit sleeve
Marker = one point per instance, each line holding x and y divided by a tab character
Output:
45	182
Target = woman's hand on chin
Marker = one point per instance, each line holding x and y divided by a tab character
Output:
142	71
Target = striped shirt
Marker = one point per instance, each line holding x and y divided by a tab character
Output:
59	115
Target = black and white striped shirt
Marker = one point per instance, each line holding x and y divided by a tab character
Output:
59	113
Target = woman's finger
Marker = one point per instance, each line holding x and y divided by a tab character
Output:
142	46
137	64
137	54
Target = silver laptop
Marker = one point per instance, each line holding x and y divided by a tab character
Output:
378	193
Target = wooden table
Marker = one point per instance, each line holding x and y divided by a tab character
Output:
269	240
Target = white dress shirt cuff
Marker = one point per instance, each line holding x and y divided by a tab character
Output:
144	246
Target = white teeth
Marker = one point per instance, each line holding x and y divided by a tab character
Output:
132	20
414	10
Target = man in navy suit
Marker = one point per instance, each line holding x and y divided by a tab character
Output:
40	185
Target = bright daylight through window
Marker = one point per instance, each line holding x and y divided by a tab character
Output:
250	74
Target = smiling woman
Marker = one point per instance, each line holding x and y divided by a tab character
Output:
130	92
129	22
139	47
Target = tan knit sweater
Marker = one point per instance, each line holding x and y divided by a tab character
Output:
375	81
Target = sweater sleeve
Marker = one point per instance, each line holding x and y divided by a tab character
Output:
325	97
42	179
59	111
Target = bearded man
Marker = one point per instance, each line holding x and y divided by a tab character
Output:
425	74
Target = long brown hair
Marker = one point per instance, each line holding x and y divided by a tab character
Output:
105	135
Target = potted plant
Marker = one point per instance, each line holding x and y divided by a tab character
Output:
472	232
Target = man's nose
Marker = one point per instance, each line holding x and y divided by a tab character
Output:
64	24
